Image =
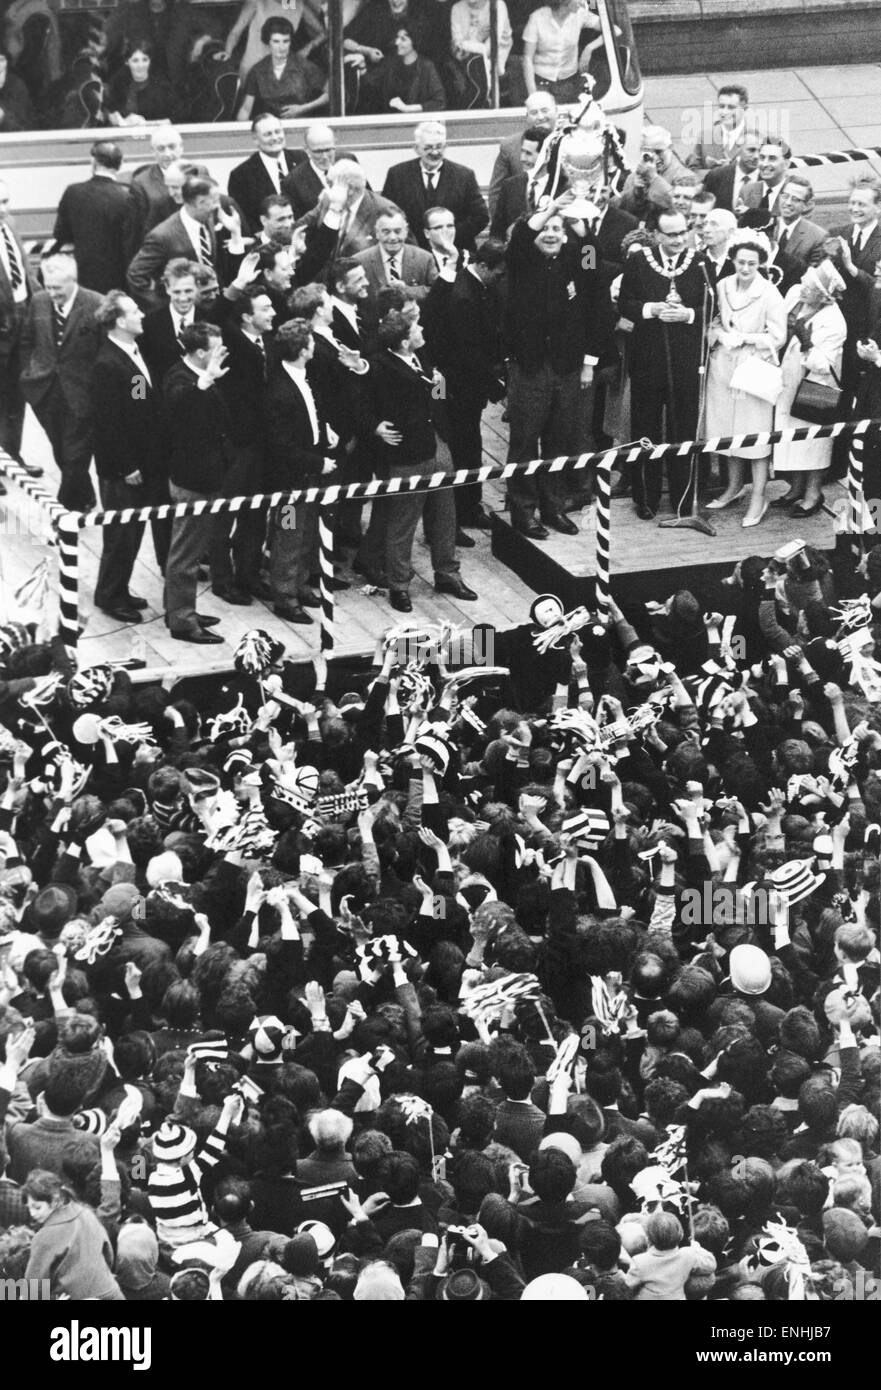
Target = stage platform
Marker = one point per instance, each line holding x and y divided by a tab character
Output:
507	572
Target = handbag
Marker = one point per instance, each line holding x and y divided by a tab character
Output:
758	377
816	403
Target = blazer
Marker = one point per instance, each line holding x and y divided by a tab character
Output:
249	184
752	193
418	270
151	200
163	244
127	432
613	228
469	340
293	459
456	189
9	312
404	396
857	302
357	234
244	386
344	333
158	343
199	431
720	182
510	204
72	363
805	240
506	166
95	218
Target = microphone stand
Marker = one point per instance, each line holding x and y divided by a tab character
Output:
694	521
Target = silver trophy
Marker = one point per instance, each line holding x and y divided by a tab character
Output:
581	159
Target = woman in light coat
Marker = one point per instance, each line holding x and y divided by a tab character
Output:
750	321
817	332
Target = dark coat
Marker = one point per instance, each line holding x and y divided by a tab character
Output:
8	314
293	458
469	343
611	232
403	396
554	310
72	363
303	187
158	343
249	184
127	432
510	204
456	189
95	219
244	386
165	243
199	431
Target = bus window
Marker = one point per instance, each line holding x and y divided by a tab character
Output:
625	45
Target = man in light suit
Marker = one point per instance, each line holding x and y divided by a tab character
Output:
264	171
17	287
60	339
856	250
430	180
189	233
393	262
541	114
299	454
358	213
796	234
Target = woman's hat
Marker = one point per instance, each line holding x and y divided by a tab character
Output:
172	1141
825	278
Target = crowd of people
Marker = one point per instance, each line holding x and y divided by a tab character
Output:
148	60
551	980
299	326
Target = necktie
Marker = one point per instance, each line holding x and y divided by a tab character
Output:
766	198
343	232
857	240
179	334
60	323
261	348
783	238
204	245
141	364
16	279
394	268
431	182
282	170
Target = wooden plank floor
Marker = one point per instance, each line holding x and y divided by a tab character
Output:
361	618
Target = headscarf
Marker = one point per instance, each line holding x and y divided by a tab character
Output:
137	1255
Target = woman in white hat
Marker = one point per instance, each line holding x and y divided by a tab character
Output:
750	323
817	332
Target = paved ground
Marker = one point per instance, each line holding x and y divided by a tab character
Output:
818	110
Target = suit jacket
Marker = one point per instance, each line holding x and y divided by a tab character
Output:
720	182
356	235
418	270
642	284
805	240
344	333
510	204
456	189
294	459
249	184
857	302
404	396
127	432
614	227
167	241
151	201
158	343
244	386
751	195
555	313
199	431
95	218
72	363
467	341
9	314
340	392
507	164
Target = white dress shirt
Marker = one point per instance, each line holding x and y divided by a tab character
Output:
20	294
276	168
348	311
861	236
134	352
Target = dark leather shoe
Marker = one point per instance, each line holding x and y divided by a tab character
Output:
33	470
560	523
799	511
645	513
309	600
400	600
455	587
204	620
291	614
337	586
123	614
479	522
464	540
201	638
785	500
259	589
533	529
135	602
230	594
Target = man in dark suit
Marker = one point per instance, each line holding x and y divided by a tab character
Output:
128	446
856	250
237	541
198	429
59	343
613	226
511	198
402	389
161	341
190	233
305	184
727	180
465	342
299	454
264	171
393	262
541	114
17	286
350	206
430	180
557	325
665	354
349	292
94	220
764	191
